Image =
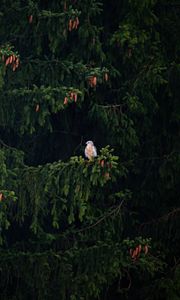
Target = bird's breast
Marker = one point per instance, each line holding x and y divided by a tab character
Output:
90	150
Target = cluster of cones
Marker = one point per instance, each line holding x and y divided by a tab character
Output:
30	19
72	97
37	107
106	165
1	197
73	24
92	80
134	253
103	164
12	60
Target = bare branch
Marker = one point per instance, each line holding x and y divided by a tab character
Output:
164	218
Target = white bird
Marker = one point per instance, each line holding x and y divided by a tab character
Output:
90	150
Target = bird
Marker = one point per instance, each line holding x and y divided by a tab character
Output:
90	150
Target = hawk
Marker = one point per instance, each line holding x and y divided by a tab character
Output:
90	150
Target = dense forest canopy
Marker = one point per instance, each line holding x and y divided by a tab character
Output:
108	227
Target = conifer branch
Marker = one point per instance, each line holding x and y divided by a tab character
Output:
166	156
100	220
110	106
7	146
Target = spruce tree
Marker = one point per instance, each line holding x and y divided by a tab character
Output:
73	71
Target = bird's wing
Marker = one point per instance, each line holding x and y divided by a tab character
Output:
94	151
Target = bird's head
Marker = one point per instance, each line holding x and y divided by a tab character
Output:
89	143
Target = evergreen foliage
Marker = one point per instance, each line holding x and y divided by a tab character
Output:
72	71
